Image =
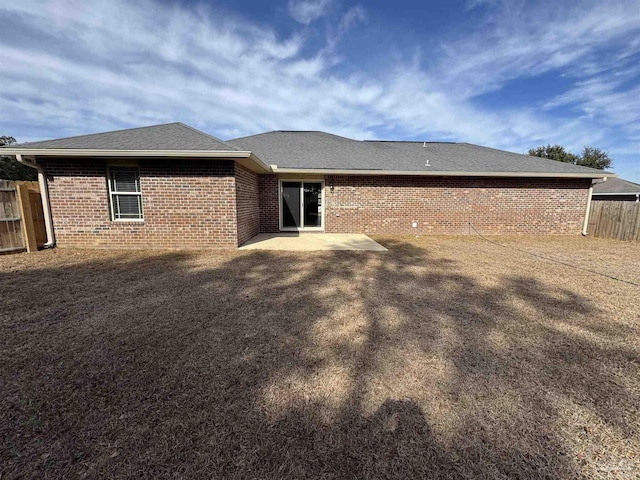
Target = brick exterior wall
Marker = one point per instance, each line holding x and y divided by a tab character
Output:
443	206
220	204
186	204
247	203
269	198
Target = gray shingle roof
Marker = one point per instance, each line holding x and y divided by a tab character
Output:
170	136
616	186
319	150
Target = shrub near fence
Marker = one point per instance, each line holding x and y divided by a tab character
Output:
619	220
21	217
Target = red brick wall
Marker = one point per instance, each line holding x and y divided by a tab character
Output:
218	204
186	204
444	206
247	203
269	214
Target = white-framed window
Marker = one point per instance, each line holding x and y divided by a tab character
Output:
124	193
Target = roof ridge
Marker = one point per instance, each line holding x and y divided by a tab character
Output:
249	136
99	133
497	149
292	131
320	131
205	134
410	141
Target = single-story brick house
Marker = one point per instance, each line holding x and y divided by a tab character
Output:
172	186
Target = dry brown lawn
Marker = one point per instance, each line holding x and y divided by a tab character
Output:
442	358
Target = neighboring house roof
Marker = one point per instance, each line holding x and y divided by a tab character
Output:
170	136
616	186
297	151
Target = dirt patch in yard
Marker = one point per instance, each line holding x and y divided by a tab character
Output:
441	358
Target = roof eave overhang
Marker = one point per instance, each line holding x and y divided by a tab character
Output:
245	158
616	193
435	173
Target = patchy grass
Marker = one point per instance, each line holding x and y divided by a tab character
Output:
442	358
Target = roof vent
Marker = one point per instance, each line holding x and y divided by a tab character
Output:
427	164
424	145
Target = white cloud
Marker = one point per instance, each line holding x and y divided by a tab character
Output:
70	69
350	19
593	44
520	41
306	11
471	4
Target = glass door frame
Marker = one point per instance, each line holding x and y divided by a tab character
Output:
302	181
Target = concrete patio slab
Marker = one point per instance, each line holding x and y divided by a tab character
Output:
312	241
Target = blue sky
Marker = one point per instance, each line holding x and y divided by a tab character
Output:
505	74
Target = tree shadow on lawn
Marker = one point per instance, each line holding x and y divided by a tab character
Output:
285	365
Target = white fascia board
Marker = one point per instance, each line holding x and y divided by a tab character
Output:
435	173
82	152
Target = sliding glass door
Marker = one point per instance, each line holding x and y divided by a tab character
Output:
301	205
290	205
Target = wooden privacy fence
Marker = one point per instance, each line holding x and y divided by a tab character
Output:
619	220
21	217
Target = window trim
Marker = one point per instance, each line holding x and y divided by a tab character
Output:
112	192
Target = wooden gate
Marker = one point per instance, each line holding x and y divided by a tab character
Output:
22	224
619	220
11	238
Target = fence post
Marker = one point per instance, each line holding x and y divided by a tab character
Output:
26	217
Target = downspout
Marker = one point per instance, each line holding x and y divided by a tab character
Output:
44	195
585	224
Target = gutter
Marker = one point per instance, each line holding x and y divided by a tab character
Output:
435	173
587	211
90	152
44	195
616	193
